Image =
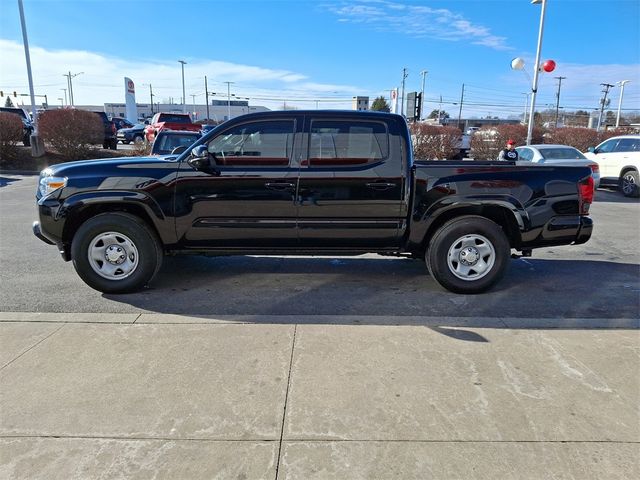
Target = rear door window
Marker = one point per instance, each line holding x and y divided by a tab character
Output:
340	143
628	145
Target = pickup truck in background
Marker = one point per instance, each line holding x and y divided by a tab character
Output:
308	182
169	121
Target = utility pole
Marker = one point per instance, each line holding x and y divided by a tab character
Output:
65	96
558	97
70	76
622	84
229	99
603	101
424	74
404	77
439	109
151	98
461	102
526	107
206	95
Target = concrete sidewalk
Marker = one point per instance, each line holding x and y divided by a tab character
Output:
163	396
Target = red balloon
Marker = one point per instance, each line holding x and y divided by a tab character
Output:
549	66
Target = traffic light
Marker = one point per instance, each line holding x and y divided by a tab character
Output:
418	106
1	93
15	94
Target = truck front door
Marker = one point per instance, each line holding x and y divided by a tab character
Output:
351	184
247	199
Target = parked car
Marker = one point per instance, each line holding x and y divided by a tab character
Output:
27	125
121	123
168	140
169	121
308	182
110	141
547	154
134	134
619	160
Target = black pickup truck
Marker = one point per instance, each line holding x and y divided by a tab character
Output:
308	182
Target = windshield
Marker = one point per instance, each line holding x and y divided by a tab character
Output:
175	118
17	111
561	153
167	143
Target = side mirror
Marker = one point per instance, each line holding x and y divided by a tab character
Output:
591	150
199	158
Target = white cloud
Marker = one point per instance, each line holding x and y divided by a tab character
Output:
102	79
416	21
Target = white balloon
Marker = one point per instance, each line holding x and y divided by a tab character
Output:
517	63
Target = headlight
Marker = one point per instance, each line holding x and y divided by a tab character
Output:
49	184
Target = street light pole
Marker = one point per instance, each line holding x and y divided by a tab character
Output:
622	84
534	88
37	146
184	100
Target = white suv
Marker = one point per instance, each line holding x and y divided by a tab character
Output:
619	160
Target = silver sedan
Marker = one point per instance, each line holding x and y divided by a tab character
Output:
563	155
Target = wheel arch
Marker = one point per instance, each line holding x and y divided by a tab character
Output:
501	215
84	213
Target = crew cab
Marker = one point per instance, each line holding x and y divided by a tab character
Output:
308	182
169	121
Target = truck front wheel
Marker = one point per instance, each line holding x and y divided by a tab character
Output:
468	254
116	253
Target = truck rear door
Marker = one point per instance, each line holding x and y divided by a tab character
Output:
351	183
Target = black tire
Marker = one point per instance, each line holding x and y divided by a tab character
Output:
105	145
114	144
629	184
126	230
26	140
468	237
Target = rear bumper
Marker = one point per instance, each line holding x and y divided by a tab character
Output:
565	230
586	228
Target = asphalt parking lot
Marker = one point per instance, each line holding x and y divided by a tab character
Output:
318	368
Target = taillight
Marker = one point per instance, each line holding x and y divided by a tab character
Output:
595	168
586	189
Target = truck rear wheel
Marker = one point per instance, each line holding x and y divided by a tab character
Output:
468	254
116	253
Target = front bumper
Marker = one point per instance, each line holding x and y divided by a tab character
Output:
37	231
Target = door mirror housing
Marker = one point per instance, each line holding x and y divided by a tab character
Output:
591	150
200	159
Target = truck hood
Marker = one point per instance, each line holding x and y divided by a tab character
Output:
83	167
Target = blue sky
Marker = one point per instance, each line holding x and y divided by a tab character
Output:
323	52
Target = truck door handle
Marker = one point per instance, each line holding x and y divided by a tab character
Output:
380	185
279	186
